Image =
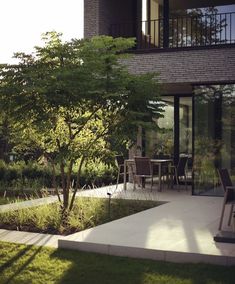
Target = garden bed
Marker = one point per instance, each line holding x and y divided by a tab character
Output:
86	213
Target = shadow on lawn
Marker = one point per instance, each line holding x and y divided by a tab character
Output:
97	268
27	252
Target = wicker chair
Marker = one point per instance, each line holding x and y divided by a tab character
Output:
229	194
143	169
179	171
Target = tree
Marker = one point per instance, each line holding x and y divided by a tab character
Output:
4	135
71	99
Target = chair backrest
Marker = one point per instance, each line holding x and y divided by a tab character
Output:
120	160
182	165
226	181
143	166
190	163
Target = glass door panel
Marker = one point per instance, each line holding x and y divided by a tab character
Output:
185	133
228	129
185	126
214	136
161	142
152	23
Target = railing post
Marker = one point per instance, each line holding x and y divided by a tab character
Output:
166	24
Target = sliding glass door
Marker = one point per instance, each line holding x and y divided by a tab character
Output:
200	126
214	136
174	137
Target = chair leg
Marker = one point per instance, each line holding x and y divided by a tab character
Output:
222	216
133	177
131	171
169	180
134	180
185	181
177	181
143	182
118	177
172	177
230	215
152	184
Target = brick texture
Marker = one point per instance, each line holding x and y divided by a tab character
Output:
91	18
174	67
100	14
189	66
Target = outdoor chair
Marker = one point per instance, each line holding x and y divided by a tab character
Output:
179	171
229	194
130	169
143	169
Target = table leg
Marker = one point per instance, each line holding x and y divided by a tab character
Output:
124	178
160	176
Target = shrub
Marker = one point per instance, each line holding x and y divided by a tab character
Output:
20	176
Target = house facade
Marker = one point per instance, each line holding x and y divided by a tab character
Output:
192	47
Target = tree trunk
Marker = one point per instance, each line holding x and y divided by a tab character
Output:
54	185
65	192
77	183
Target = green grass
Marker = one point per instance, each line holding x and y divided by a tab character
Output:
7	200
31	264
87	213
13	199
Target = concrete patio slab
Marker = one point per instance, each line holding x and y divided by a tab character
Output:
181	230
29	238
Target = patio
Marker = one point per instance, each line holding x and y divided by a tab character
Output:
181	230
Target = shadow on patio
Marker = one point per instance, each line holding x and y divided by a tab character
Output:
181	230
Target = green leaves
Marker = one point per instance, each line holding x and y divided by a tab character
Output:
75	100
80	81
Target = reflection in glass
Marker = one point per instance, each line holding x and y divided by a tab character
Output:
152	22
185	125
214	112
162	141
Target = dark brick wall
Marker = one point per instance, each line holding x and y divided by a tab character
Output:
91	18
100	14
189	66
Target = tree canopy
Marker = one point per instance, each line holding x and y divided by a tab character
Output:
72	99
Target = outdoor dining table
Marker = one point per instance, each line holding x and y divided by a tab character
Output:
158	162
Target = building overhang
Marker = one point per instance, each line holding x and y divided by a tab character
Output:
190	4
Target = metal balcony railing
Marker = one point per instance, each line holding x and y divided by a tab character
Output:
180	31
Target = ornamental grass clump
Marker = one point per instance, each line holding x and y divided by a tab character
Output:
87	212
44	218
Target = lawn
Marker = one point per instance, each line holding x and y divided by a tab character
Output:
31	264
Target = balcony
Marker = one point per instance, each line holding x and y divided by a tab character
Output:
179	32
